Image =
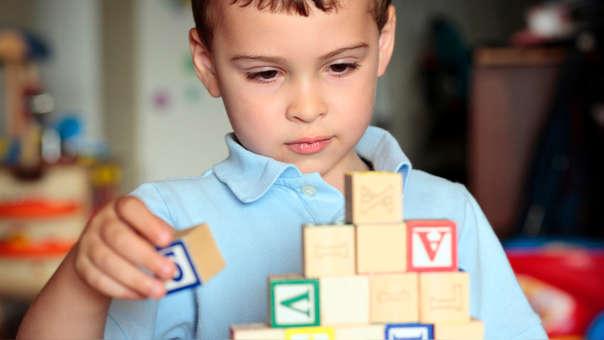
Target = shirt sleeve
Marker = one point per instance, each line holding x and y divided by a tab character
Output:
172	317
496	297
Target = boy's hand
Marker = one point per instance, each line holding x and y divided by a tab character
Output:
116	243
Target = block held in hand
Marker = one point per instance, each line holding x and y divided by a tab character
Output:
196	256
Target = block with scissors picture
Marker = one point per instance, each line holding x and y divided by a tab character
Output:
374	197
432	245
328	250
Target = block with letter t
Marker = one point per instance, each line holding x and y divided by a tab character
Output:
196	256
432	245
293	301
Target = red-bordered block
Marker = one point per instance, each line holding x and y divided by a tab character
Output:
432	245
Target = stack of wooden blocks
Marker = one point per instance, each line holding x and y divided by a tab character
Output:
378	277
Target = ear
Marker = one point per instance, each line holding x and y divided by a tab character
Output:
203	63
386	42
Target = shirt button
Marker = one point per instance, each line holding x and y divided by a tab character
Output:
309	190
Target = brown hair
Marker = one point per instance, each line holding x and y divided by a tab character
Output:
205	18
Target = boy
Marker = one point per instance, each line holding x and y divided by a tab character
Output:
298	80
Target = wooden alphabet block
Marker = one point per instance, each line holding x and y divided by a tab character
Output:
310	333
344	300
360	332
432	245
374	197
254	331
381	248
294	301
444	297
394	298
196	256
328	250
473	330
409	331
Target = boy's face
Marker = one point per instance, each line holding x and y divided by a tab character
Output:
297	89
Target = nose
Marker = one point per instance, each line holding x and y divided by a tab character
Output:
307	103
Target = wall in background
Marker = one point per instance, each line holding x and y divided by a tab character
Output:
399	91
73	74
180	128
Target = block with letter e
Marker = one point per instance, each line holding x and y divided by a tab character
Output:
329	250
374	197
196	256
409	331
444	297
294	301
432	245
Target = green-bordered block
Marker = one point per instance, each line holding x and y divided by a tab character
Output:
294	301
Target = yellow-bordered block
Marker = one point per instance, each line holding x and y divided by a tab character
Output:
344	300
328	250
473	330
381	248
374	197
310	333
394	298
444	297
256	331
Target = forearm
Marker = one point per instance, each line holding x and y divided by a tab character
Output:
66	308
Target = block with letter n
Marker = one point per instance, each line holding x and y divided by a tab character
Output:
409	331
294	301
196	256
432	245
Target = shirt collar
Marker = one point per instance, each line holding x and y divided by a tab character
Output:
249	176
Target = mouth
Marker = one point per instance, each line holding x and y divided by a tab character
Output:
309	145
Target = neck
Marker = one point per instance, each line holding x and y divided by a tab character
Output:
336	176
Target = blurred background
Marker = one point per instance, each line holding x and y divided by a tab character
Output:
504	96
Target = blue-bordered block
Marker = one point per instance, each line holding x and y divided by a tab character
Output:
185	276
409	331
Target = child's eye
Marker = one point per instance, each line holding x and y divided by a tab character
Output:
343	68
263	76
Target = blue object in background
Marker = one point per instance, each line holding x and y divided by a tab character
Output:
596	329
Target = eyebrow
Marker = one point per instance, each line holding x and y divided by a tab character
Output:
282	60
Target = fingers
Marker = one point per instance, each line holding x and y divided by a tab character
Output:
136	250
125	273
103	283
135	213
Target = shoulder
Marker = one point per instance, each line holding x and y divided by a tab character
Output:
429	196
181	201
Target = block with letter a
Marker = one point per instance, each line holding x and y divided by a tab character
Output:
432	245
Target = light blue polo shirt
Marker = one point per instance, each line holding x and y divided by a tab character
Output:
256	206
